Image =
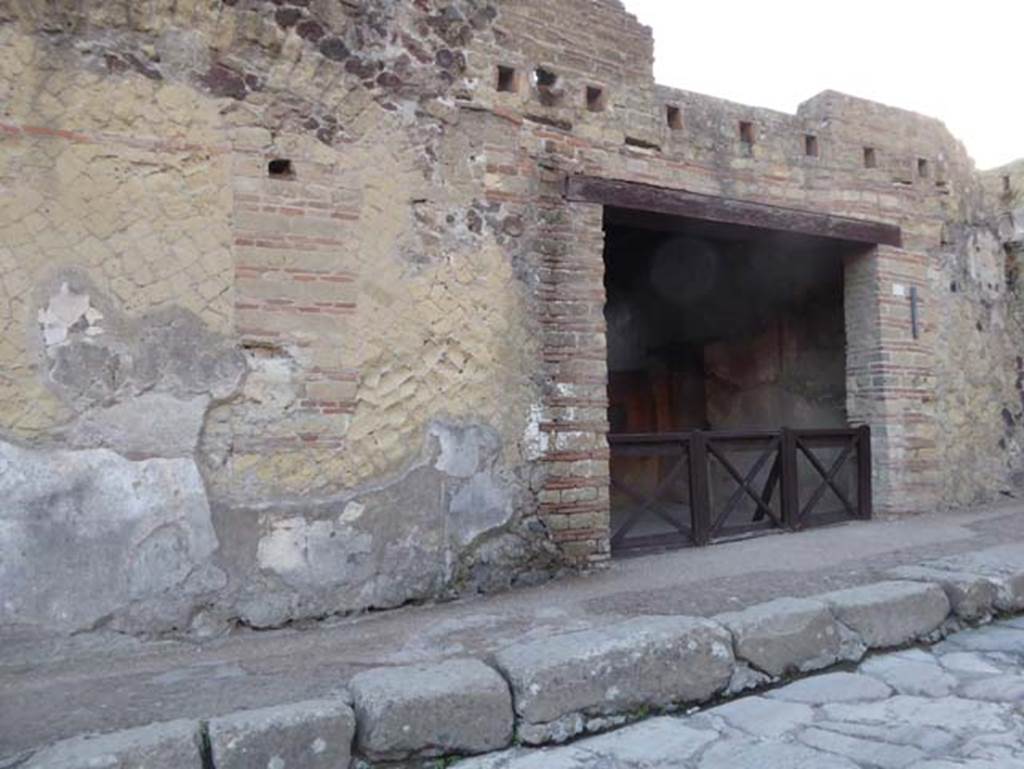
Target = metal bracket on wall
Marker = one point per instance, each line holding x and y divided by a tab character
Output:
913	312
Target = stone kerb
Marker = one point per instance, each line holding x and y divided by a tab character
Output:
459	707
591	679
553	689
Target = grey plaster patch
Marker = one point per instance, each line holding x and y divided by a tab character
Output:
455	707
307	735
643	662
151	425
89	537
400	539
174	745
888	614
479	505
96	355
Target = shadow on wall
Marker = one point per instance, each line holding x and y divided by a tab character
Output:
718	334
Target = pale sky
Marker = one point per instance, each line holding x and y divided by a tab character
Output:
959	61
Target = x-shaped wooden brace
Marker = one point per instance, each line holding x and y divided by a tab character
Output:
745	486
651	502
829	478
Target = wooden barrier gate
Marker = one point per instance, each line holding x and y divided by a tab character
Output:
696	488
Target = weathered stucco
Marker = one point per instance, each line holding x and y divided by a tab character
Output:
295	286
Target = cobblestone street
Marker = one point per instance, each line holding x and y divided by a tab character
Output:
957	704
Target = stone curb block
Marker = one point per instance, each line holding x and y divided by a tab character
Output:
644	662
168	745
784	636
1003	566
889	614
316	734
972	596
458	707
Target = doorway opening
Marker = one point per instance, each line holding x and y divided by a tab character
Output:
726	381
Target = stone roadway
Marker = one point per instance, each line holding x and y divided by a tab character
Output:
55	688
956	705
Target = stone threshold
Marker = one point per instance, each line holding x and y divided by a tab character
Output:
556	689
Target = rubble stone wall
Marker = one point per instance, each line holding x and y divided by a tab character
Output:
297	321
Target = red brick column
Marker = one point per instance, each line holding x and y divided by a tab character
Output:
891	376
574	501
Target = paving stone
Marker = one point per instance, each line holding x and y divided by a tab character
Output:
170	745
979	763
1006	747
863	751
951	713
763	717
316	734
455	707
928	738
832	687
644	662
658	742
732	754
786	635
968	662
972	596
890	613
570	757
923	675
993	638
995	689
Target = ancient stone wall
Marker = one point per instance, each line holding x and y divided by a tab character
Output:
297	320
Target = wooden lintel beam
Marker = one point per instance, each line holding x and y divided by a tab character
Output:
644	197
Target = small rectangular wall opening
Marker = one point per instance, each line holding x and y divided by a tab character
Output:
280	168
549	87
922	168
870	157
810	145
746	132
508	79
674	117
597	98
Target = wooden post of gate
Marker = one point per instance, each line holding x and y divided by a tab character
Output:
864	490
700	497
789	496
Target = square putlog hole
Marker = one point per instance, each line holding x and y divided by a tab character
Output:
746	132
508	79
597	98
674	116
280	168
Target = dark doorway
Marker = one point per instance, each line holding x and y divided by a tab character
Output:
736	334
